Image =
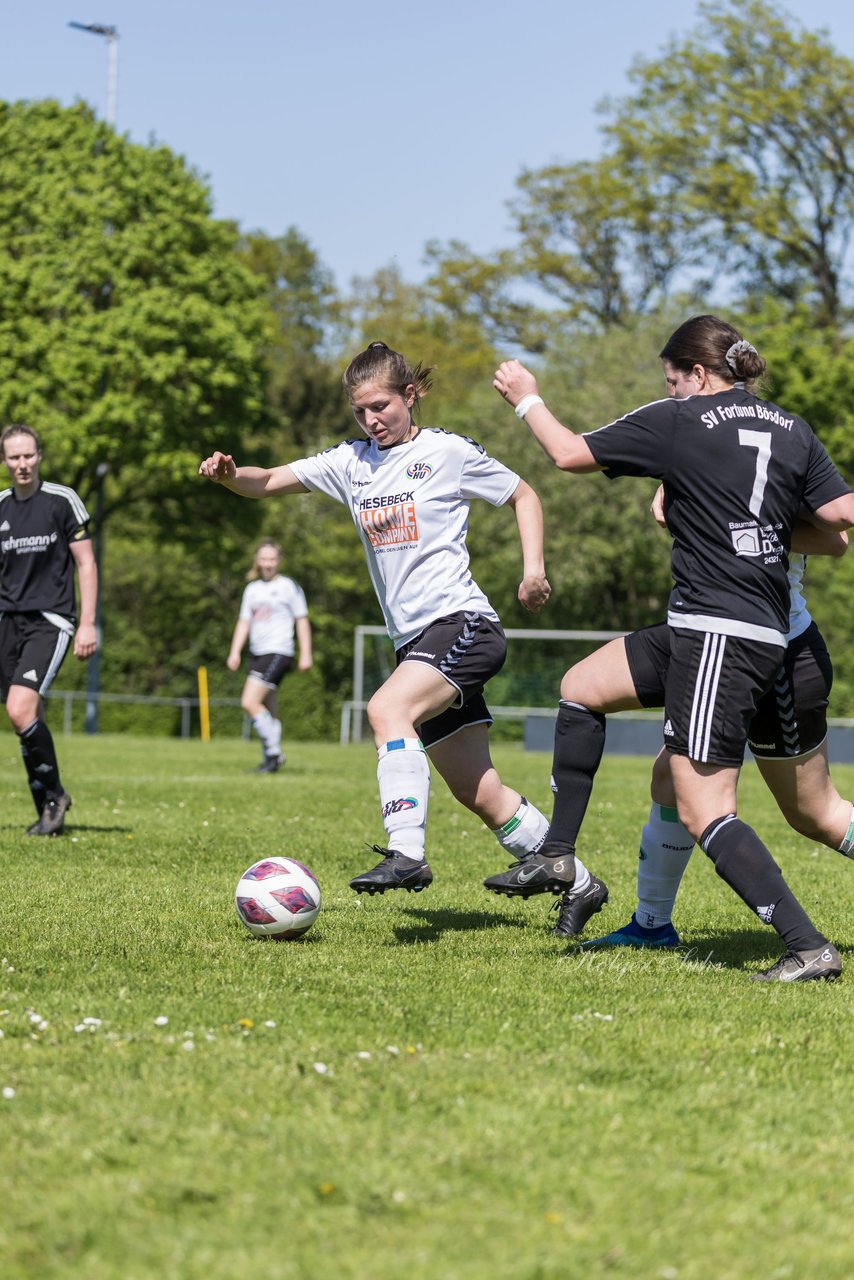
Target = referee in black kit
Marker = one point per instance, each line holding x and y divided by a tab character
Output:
44	538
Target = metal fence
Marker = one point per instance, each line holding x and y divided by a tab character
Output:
68	697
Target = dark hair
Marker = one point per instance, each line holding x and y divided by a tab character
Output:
378	363
18	429
708	341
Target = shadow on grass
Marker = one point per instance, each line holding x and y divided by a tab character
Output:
740	949
81	827
431	925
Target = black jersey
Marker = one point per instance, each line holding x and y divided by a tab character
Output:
736	471
36	566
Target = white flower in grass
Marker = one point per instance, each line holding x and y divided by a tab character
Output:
363	1053
321	1068
398	1196
392	1049
189	1045
604	1017
8	1092
91	1022
269	1023
161	1020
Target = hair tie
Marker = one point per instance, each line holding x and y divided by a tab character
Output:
739	348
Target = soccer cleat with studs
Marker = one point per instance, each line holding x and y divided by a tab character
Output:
637	935
550	870
396	871
52	821
822	963
577	906
271	763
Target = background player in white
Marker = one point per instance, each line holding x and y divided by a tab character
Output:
272	610
43	539
408	489
736	472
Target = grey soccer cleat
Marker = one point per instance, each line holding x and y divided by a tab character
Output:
396	871
804	966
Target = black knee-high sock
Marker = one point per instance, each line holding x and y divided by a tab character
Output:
40	762
743	862
579	743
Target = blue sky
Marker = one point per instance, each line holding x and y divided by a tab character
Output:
372	127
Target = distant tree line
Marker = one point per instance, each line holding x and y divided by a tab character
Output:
137	333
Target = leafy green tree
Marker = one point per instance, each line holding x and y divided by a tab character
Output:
130	331
747	128
303	385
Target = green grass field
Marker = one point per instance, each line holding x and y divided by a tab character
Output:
427	1087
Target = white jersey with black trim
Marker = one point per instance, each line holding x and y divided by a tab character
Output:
271	609
736	471
410	506
799	615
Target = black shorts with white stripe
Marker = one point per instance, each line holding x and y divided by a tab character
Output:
467	649
791	718
32	649
714	683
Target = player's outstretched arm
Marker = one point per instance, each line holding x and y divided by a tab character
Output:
534	589
249	482
518	386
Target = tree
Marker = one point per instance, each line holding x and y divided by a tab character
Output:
130	331
303	385
748	129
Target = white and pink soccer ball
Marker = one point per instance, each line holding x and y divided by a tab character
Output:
277	898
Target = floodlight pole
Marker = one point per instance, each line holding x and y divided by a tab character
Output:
111	35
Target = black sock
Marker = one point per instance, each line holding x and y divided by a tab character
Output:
743	862
579	743
40	762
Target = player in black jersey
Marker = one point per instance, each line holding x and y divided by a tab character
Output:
43	540
736	472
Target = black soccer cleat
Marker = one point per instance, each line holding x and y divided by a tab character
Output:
577	906
271	763
396	871
804	966
550	870
52	821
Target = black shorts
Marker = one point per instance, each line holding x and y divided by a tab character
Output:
714	684
269	668
467	649
32	650
790	718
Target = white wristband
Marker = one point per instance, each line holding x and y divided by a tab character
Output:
526	403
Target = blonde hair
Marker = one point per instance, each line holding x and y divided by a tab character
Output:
378	363
254	572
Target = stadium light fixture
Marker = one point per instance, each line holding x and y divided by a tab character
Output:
111	35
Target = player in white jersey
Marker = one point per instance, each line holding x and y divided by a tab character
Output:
272	612
44	540
736	472
408	490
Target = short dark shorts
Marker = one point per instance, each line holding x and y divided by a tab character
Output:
790	718
32	650
269	668
468	650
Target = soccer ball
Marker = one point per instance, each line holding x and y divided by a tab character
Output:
277	898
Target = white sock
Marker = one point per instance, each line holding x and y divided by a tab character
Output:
275	740
263	725
847	846
665	850
403	774
525	832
